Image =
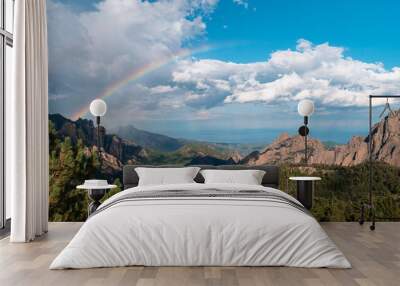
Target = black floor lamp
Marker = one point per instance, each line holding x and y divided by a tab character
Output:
305	109
96	189
370	205
98	108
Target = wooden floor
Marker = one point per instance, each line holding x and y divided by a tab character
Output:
375	257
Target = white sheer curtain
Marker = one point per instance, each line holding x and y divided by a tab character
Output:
27	124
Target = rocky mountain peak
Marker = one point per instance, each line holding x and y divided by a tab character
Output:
283	137
386	139
290	149
83	129
286	149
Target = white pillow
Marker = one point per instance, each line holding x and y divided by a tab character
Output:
248	177
166	176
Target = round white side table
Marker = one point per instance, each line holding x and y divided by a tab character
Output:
95	193
305	190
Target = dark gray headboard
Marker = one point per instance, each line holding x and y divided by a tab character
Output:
271	177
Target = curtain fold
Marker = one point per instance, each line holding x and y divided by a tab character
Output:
28	123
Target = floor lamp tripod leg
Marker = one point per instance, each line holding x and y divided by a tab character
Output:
372	226
362	213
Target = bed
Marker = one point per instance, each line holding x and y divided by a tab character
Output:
198	224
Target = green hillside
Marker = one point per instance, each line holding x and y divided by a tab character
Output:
187	153
338	196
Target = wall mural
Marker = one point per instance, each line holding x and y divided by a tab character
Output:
218	82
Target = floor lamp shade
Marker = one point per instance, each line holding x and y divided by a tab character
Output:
305	107
98	107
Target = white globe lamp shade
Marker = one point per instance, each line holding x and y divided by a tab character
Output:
98	107
305	107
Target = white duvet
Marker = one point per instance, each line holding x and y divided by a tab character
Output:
200	231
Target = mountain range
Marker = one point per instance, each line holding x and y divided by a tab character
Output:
119	151
150	140
131	145
164	143
287	149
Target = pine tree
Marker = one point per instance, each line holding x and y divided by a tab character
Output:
69	166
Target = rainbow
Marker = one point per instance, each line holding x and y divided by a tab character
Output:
138	73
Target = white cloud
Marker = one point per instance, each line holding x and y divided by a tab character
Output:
162	89
243	3
320	72
90	50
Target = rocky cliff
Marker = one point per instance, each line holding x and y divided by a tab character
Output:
125	151
287	149
120	151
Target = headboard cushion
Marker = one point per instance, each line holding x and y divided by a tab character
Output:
270	179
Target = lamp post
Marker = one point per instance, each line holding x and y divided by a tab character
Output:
305	109
98	108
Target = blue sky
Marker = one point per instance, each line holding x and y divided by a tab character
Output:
265	56
369	29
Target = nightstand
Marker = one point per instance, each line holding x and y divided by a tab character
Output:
96	190
305	190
